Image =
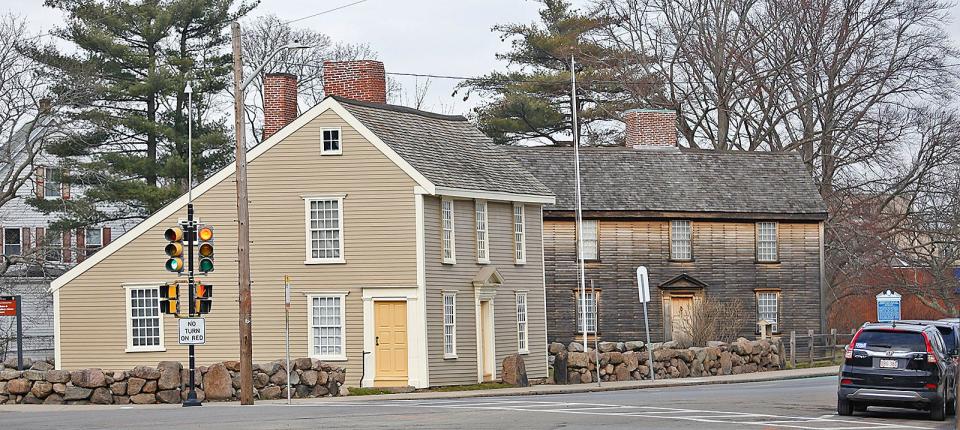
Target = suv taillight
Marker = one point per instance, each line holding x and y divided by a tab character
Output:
848	354
931	356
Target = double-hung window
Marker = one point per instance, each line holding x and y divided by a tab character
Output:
768	304
522	338
589	242
449	325
519	234
449	237
327	334
51	183
767	241
324	219
12	241
331	144
590	314
144	321
53	245
681	233
93	240
483	250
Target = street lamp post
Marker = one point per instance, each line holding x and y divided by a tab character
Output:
243	213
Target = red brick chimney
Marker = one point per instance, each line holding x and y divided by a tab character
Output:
279	102
363	80
651	128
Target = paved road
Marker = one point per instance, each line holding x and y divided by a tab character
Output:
793	404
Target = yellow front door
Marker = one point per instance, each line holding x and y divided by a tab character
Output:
680	310
390	329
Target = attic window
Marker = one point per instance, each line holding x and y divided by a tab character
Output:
330	141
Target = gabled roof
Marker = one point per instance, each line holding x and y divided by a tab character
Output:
626	179
422	144
682	280
447	149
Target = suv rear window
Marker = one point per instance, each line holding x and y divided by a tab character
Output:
885	340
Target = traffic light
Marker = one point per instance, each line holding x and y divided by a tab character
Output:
205	249
203	293
174	249
168	294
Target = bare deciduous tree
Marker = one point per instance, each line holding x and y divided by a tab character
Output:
712	320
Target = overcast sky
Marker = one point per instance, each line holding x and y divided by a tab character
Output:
440	37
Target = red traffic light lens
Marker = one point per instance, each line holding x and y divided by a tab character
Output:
173	234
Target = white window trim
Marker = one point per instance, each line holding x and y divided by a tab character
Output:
3	238
452	259
86	243
523	338
126	294
306	232
452	355
596	247
485	232
46	177
519	244
343	329
775	327
339	150
688	240
776	242
596	312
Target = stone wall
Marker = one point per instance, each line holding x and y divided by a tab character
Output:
165	383
628	361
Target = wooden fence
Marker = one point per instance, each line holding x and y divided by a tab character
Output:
812	347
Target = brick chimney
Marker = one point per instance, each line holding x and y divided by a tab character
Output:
363	80
651	128
279	102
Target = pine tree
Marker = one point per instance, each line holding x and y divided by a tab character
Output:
533	102
133	61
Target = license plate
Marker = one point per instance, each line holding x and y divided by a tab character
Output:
888	364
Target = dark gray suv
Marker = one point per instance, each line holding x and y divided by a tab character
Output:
899	365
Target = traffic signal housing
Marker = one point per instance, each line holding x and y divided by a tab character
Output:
205	249
174	249
168	298
203	294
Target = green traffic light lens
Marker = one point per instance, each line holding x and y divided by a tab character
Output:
206	265
174	265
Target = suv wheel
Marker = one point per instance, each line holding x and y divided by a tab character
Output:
952	407
938	410
844	407
859	407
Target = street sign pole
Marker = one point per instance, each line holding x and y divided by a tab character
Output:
191	236
286	327
643	285
11	306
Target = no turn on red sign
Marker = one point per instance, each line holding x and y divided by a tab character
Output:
192	331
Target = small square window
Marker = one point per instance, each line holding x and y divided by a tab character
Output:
331	142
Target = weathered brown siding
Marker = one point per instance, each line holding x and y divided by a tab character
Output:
379	240
457	277
724	259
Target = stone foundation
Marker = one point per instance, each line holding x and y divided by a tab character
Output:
628	361
165	383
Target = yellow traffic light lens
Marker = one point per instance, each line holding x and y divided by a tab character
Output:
173	234
175	264
205	233
174	249
206	250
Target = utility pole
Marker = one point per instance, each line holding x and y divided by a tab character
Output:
243	233
191	236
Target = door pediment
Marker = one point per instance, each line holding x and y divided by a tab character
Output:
684	282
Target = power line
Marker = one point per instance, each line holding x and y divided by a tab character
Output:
326	11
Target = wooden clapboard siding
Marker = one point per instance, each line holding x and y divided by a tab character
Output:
724	259
379	240
457	277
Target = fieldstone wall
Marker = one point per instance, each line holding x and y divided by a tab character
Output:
165	383
628	361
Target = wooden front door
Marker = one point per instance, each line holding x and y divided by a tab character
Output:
390	329
680	309
486	356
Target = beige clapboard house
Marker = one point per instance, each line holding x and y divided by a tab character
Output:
413	244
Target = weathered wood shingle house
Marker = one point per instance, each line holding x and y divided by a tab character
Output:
732	228
413	245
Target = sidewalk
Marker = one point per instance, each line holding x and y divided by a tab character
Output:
525	391
778	375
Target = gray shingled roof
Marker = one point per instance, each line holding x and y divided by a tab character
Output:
624	179
448	150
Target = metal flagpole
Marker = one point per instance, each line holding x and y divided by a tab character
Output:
579	213
596	342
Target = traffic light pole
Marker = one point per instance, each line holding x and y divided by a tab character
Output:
191	235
